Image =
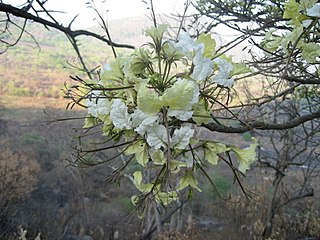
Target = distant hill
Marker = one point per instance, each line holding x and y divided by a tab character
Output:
27	70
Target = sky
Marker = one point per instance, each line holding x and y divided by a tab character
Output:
115	9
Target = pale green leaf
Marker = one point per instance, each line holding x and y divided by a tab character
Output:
158	157
239	68
89	122
310	52
200	114
181	96
188	180
291	9
307	4
141	60
166	198
148	100
246	156
176	165
271	42
156	32
140	149
137	180
114	73
209	44
211	151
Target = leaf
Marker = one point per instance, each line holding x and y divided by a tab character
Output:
119	115
239	68
209	44
291	9
271	42
181	137
311	52
189	160
137	179
140	149
211	151
166	198
246	156
200	114
89	122
158	157
293	37
148	100
156	33
176	165
142	58
188	180
181	96
305	4
114	73
157	137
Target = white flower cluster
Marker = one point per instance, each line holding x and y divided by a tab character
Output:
155	111
145	119
204	67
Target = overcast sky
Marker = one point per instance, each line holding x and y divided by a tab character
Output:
116	9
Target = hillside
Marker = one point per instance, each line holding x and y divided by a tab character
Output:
41	68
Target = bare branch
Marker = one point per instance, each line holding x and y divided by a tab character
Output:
5	8
260	125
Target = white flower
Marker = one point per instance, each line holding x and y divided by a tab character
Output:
314	11
120	116
97	105
181	137
194	51
222	77
189	46
142	121
306	23
157	136
203	68
186	43
226	82
180	114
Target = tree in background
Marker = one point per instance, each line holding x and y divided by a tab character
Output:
286	33
19	177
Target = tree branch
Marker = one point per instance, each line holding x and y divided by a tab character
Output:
5	8
260	125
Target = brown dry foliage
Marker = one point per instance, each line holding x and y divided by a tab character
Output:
18	174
